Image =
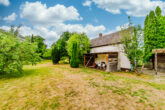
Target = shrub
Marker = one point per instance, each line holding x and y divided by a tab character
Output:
74	63
55	55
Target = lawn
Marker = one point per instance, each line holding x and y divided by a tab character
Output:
59	87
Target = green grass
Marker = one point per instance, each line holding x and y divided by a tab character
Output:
50	87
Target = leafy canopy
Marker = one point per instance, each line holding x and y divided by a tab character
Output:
59	48
40	44
83	44
14	53
154	35
132	43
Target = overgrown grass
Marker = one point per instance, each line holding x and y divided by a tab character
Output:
49	87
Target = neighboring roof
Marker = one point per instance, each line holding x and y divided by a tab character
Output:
113	38
158	51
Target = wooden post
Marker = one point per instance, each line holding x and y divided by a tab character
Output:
156	63
84	60
107	58
107	62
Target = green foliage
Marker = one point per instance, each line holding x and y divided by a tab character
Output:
158	11
62	43
154	35
74	63
60	46
55	54
132	43
47	54
64	60
15	53
40	43
83	44
15	32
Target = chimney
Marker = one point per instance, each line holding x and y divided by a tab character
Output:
100	35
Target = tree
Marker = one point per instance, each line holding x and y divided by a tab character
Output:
55	54
154	36
40	44
62	43
131	43
149	35
60	46
158	11
83	44
74	63
14	53
15	32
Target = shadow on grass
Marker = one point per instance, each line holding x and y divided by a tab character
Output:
17	75
25	73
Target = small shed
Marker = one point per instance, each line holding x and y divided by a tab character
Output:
159	59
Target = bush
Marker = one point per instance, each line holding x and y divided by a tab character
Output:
55	55
74	63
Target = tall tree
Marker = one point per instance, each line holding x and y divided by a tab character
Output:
40	43
62	43
60	46
154	36
132	43
83	44
158	11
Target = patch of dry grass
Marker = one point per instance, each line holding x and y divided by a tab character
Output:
50	87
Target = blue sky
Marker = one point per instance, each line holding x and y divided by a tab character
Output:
49	18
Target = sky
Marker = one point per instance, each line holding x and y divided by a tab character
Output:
49	18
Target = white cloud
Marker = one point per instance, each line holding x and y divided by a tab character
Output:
90	30
7	28
137	8
52	34
87	3
49	22
39	14
4	2
10	18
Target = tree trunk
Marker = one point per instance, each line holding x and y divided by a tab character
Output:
142	68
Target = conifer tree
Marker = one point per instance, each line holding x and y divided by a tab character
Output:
154	33
74	63
55	55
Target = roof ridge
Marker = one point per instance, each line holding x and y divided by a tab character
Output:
107	35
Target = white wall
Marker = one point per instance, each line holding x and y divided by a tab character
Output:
109	48
123	61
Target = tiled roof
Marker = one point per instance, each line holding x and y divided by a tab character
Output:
113	38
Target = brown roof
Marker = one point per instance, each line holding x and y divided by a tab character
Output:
113	38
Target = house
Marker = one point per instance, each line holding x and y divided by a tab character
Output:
108	51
